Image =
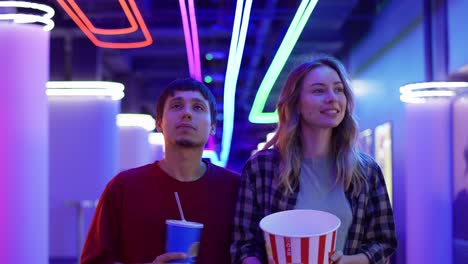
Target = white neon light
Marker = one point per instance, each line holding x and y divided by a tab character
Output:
421	96
136	120
85	92
85	84
86	88
442	93
432	85
236	50
406	98
420	92
156	138
45	19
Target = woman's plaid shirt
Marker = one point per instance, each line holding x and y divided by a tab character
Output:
372	231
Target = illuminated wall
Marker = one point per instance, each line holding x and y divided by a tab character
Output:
24	65
381	64
384	62
457	34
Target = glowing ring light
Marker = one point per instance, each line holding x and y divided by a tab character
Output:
420	92
45	19
84	88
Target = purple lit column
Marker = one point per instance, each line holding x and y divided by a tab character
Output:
460	179
83	158
24	65
428	182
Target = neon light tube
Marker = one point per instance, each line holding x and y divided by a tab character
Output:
104	44
85	84
83	88
195	41
293	33
45	19
132	28
187	38
85	92
239	32
430	85
420	92
191	39
136	120
421	96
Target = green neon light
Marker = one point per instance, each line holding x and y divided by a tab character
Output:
208	79
209	56
289	41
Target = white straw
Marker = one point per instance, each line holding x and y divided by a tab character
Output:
180	206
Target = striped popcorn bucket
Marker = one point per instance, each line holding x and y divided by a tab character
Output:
300	236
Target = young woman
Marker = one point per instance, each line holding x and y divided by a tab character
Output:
312	163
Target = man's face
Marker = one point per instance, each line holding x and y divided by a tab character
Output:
186	120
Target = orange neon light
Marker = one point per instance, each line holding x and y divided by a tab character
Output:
133	25
73	12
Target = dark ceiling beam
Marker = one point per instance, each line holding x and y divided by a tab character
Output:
307	47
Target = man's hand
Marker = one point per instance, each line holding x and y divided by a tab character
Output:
251	260
254	260
164	258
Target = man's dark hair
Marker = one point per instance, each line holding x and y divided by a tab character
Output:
187	84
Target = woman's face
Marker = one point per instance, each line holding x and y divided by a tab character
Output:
322	102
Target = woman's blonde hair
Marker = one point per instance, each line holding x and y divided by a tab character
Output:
287	139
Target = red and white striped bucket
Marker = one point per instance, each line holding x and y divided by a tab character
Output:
300	236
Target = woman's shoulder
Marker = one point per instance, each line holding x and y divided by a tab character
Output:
265	155
371	169
263	162
366	161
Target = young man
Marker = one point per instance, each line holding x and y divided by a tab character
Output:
129	222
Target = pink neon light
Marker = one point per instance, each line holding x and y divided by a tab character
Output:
133	25
195	42
188	40
191	39
115	45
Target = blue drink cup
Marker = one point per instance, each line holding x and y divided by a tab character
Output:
183	236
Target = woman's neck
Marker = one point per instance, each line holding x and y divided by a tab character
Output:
316	143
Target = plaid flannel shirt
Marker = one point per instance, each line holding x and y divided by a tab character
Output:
372	231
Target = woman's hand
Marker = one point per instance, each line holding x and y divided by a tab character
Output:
337	257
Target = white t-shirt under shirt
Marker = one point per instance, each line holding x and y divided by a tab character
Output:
319	191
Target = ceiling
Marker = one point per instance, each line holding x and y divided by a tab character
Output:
334	26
